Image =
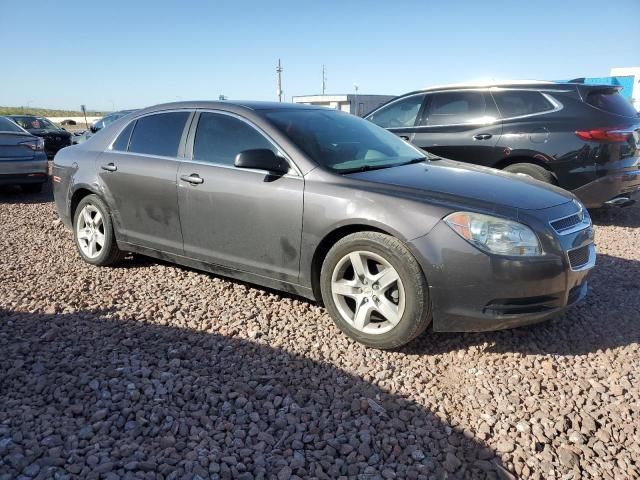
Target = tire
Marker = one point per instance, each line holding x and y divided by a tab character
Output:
344	293
101	226
31	187
532	170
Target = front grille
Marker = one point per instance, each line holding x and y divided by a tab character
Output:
567	222
579	257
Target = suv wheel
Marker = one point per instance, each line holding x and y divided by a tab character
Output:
375	290
531	170
93	232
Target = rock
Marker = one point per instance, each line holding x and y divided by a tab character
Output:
567	457
451	463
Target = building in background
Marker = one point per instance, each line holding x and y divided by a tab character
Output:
350	102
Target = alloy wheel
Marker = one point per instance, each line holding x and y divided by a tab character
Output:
368	292
90	231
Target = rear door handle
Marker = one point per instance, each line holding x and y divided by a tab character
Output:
109	167
194	179
482	136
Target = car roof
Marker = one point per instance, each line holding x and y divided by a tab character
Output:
225	104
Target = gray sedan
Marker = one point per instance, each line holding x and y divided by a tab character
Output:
328	206
23	160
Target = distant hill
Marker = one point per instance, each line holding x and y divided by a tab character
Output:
47	112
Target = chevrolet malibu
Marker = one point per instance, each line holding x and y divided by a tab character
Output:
325	205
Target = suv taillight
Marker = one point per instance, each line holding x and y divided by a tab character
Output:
36	145
605	134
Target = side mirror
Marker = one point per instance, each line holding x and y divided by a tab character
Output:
93	129
261	159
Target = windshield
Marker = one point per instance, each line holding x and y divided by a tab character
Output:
341	142
34	122
7	125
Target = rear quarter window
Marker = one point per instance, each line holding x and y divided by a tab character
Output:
519	103
122	142
611	101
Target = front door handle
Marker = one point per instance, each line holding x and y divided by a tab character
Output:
109	167
482	136
194	179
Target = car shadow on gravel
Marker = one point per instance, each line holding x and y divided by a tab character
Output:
84	394
13	194
609	317
617	217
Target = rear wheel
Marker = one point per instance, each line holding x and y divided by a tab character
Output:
93	232
31	187
375	291
532	170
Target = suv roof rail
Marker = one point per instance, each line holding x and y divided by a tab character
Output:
489	83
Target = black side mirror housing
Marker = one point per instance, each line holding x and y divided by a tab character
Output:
262	159
93	129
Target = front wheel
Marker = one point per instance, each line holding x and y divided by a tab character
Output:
93	232
375	290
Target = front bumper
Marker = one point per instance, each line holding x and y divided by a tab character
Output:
596	193
471	291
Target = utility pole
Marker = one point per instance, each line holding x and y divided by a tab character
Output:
324	79
279	81
356	88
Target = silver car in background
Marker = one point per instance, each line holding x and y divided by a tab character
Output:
23	160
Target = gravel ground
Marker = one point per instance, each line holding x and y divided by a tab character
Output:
148	370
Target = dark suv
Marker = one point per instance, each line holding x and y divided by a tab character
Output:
584	138
54	137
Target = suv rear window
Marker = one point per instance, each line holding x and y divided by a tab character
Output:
515	103
158	134
611	101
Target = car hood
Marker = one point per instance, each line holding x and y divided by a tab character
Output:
462	180
42	132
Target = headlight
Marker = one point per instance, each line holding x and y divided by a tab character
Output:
495	235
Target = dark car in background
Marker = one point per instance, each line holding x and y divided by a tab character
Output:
99	125
584	138
54	137
329	206
22	158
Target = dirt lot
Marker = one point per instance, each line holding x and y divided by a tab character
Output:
153	371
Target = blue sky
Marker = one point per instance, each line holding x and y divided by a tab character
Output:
117	54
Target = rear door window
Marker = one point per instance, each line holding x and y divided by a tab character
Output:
158	134
398	114
452	108
611	101
516	103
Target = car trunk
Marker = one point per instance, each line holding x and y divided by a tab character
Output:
10	148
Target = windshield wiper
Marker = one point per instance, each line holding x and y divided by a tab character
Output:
415	160
367	168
